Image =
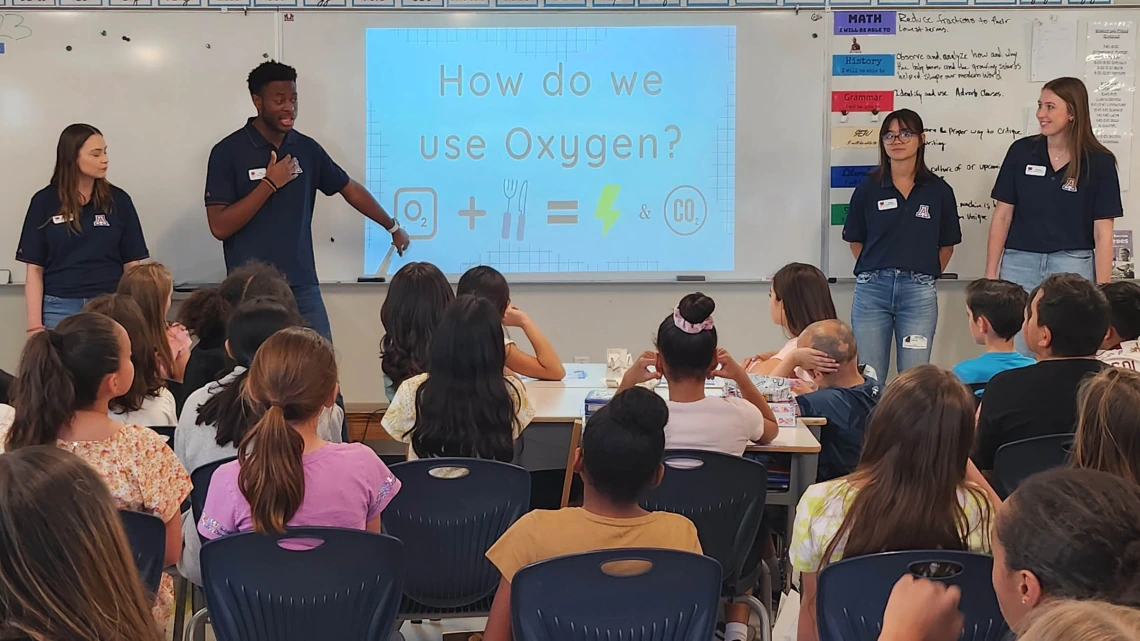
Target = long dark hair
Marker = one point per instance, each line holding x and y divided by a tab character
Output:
67	571
416	299
229	410
464	407
292	376
912	122
60	373
912	467
1078	532
688	356
148	382
206	312
65	177
486	282
806	295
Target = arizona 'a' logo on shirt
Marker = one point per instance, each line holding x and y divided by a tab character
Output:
923	212
101	220
1070	185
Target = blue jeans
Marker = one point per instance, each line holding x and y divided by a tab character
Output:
312	308
55	309
892	303
1028	269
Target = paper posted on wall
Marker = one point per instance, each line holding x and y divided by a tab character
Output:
1123	265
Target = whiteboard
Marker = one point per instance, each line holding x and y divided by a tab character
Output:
163	87
967	134
778	138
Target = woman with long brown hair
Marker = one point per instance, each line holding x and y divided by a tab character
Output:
148	402
1108	424
1057	194
286	474
152	288
909	491
902	226
67	379
67	571
800	295
79	234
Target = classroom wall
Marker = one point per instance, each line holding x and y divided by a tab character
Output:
581	320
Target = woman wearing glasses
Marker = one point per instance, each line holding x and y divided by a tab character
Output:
902	227
1057	195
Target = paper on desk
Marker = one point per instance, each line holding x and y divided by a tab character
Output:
1054	52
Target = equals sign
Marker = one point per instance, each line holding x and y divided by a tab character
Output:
562	212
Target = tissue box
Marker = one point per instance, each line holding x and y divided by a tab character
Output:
596	400
777	391
785	413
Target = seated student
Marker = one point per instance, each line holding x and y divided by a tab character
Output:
997	310
487	282
151	286
417	297
67	572
463	405
909	491
1067	534
218	416
67	379
1108	424
207	311
286	474
1120	345
1065	321
686	356
799	296
148	402
844	398
1084	621
619	459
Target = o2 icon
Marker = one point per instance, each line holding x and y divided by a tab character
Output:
417	210
685	210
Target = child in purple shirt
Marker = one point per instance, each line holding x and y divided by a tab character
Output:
286	475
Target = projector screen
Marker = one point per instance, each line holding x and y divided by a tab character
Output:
539	150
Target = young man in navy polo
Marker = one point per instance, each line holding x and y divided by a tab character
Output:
261	186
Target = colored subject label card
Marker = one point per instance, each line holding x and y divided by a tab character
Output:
849	176
863	64
854	137
868	23
850	101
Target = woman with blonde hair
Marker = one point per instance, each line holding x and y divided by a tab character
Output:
1108	424
67	572
79	234
151	286
1084	621
1057	194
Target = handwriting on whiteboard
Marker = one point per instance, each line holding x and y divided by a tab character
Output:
12	27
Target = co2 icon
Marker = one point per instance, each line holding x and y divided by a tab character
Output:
685	210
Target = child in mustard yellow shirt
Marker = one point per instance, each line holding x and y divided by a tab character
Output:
620	458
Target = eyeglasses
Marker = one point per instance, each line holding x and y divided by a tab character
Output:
903	135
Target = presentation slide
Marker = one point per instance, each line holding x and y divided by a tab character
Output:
554	150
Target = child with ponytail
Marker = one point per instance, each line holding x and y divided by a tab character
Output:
152	288
66	382
286	474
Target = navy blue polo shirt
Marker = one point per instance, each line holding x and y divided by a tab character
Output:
281	232
1051	213
902	233
90	262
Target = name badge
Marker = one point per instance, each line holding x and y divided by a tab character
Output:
258	174
890	203
58	220
1034	170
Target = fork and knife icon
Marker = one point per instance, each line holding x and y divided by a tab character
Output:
511	189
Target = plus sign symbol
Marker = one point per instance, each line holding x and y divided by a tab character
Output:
471	213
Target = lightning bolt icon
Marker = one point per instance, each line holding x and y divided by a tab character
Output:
605	211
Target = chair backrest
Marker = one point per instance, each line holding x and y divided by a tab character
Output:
588	597
200	477
146	535
722	495
308	583
448	513
1014	462
167	431
852	594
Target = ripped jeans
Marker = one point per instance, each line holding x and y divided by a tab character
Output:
902	305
